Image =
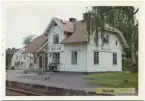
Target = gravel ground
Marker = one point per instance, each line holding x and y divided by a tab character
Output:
67	80
57	79
72	79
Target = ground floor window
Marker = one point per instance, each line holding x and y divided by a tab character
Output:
96	57
74	57
114	58
56	58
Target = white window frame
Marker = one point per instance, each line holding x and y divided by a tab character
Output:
56	57
114	58
74	56
106	39
54	39
96	57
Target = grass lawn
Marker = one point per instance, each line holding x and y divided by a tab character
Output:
115	79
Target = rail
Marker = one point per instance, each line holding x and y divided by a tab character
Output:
24	92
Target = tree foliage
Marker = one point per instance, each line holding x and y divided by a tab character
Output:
28	39
120	17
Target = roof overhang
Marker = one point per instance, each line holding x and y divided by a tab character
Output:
119	34
51	23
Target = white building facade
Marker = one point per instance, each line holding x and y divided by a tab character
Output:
21	61
68	46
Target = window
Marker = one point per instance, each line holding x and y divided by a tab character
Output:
56	58
116	42
96	57
106	39
114	58
74	57
55	39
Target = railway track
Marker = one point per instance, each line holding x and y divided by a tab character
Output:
18	92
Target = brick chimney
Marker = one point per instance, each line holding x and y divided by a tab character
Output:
72	19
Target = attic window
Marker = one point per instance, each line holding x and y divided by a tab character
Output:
64	22
106	39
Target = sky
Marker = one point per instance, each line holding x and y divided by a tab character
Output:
32	18
24	20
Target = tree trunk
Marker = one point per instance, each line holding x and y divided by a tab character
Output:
133	49
134	67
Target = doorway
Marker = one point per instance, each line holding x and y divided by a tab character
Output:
40	61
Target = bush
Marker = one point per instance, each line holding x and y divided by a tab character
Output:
45	70
126	64
40	72
25	71
30	65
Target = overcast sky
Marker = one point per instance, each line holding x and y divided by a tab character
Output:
32	19
26	18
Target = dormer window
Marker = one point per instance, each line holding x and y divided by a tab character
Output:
55	39
106	39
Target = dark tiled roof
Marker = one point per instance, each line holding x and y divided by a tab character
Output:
67	25
36	44
79	34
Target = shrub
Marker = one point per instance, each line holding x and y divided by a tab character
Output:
40	72
45	70
126	64
25	71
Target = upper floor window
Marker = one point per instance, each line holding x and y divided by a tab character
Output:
55	39
74	57
106	39
114	58
116	42
96	57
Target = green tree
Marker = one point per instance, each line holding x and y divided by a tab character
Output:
116	16
28	39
